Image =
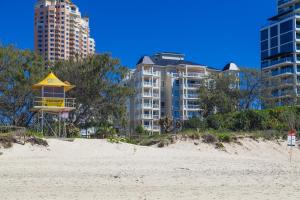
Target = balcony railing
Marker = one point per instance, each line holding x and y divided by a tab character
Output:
147	127
155	116
156	128
147	105
281	2
192	106
198	75
147	94
155	106
155	94
147	116
149	72
149	84
191	96
191	85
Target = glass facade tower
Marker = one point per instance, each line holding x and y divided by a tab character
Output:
280	52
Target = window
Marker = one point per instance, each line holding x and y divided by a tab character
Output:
264	45
287	48
264	54
274	51
54	92
274	42
286	26
274	31
287	69
287	37
275	72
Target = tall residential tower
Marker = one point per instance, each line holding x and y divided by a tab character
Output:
60	32
280	53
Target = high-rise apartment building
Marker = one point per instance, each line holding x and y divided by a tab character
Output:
60	32
280	53
165	84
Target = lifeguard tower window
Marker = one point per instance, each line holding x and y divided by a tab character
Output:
55	92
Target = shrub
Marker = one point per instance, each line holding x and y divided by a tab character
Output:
214	122
149	142
224	137
141	131
7	140
73	131
247	121
220	146
163	143
192	134
37	141
195	123
209	138
31	133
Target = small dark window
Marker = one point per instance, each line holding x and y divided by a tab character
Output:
286	26
264	34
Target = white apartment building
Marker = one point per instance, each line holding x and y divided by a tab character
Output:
166	84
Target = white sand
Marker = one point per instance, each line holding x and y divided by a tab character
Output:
95	169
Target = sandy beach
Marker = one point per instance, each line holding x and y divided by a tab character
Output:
96	169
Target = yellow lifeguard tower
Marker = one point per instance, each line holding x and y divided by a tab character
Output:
52	101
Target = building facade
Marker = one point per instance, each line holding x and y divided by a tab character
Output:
60	32
280	53
165	84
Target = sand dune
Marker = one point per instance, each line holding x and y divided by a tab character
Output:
96	169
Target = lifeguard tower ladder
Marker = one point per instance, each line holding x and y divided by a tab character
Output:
52	101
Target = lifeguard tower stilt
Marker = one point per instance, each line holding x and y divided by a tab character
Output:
52	103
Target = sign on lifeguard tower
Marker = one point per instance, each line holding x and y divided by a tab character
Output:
52	99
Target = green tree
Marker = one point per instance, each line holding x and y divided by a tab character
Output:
219	94
19	70
100	96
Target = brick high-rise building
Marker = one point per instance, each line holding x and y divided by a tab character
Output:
60	32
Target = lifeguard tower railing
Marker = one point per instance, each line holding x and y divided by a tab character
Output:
53	102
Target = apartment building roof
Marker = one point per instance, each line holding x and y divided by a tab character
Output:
153	60
231	66
146	60
158	60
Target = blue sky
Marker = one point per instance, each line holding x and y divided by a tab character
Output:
208	32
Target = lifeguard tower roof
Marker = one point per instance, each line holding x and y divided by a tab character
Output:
52	81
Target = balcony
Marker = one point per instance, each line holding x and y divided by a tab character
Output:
276	63
150	73
194	75
156	116
192	85
147	94
191	96
192	107
156	128
156	85
156	106
147	116
148	127
282	2
156	95
147	84
147	105
282	73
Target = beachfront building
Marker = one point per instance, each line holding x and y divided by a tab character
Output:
280	53
60	32
166	84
